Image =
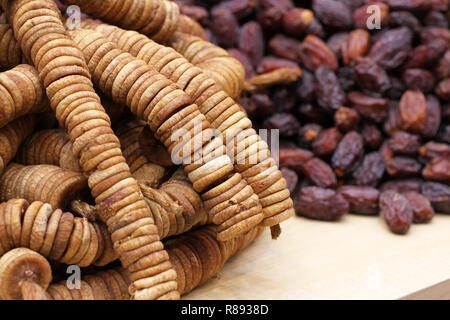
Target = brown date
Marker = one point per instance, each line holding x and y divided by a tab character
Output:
362	199
319	173
314	53
348	153
396	211
438	194
327	142
422	209
322	204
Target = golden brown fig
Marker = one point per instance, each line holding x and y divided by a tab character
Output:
21	265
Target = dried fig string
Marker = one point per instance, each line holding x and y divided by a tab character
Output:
213	60
52	146
166	108
55	234
109	284
42	36
10	53
176	206
156	18
45	183
198	255
21	93
262	174
143	170
11	136
189	26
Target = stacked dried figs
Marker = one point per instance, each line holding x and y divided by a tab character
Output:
367	126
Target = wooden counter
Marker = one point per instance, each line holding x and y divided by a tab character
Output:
356	258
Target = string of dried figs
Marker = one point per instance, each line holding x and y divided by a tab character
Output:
223	114
168	111
198	255
10	53
21	93
11	136
51	146
109	284
176	207
159	19
160	22
216	62
149	171
42	37
26	275
55	234
46	183
368	100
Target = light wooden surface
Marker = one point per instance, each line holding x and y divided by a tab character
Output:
356	258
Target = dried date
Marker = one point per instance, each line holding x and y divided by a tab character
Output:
405	19
371	77
434	149
346	119
396	211
251	41
293	157
271	63
335	43
405	143
286	123
306	87
296	21
369	107
308	134
419	79
319	173
438	194
332	13
373	137
403	167
371	170
315	53
348	153
392	48
412	110
329	93
434	116
438	169
285	47
356	45
422	209
322	204
225	27
327	142
426	54
291	178
363	16
361	199
443	89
